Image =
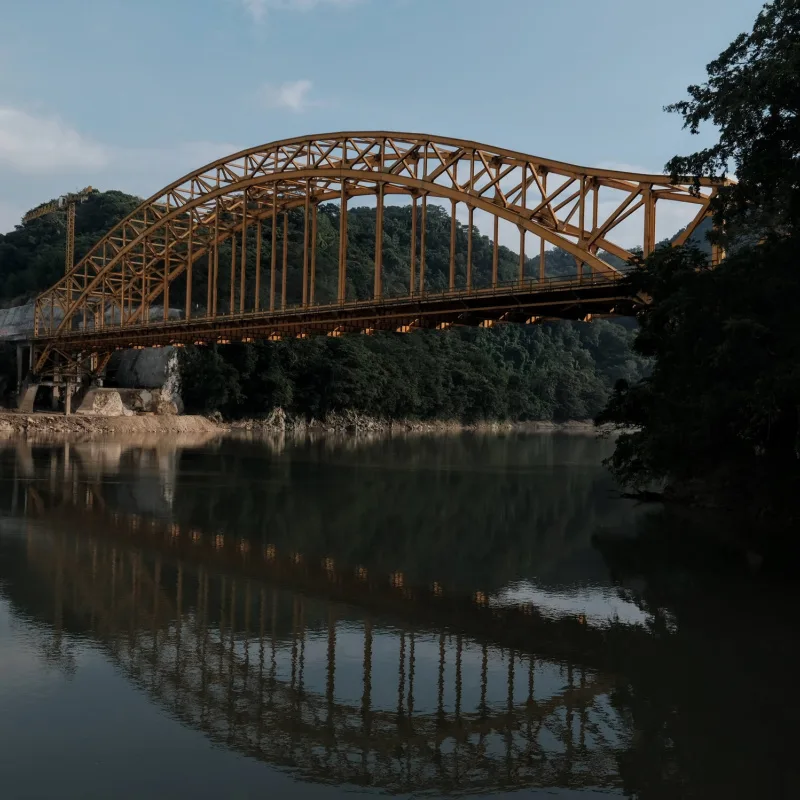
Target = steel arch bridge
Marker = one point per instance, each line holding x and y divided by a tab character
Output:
108	299
68	490
217	652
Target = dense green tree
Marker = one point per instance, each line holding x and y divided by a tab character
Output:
557	371
215	381
724	396
752	96
726	381
32	255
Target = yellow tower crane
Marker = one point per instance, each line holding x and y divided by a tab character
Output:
68	201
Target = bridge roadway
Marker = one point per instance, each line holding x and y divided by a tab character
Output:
526	302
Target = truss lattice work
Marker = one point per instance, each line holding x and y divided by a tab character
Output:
580	210
207	647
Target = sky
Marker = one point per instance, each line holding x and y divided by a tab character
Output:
133	94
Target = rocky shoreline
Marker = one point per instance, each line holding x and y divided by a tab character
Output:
41	425
44	425
355	423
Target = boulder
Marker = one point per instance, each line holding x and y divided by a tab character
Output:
103	403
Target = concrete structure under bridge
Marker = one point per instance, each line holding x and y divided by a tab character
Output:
168	249
147	369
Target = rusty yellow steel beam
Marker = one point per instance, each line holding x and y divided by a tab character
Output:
137	262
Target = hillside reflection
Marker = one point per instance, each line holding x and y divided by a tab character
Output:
438	616
476	512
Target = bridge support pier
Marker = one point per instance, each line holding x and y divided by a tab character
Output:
19	369
21	357
27	397
68	398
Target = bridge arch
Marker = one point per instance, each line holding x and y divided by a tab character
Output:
203	643
577	209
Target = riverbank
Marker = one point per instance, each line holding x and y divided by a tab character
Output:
38	425
355	423
43	425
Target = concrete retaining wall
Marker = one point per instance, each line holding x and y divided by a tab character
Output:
154	368
16	324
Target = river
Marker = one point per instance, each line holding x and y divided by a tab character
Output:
426	616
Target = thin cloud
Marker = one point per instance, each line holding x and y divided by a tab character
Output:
31	144
42	157
292	95
259	9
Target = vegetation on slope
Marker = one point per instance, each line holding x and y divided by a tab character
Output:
32	255
558	371
722	406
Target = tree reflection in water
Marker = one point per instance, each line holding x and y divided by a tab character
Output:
343	612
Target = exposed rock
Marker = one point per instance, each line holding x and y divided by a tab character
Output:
165	407
356	423
103	403
154	369
276	420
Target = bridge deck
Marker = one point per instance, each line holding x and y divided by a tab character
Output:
515	301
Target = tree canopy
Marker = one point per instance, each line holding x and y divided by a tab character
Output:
752	96
32	255
558	371
726	379
724	394
555	371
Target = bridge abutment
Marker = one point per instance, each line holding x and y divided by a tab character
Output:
27	397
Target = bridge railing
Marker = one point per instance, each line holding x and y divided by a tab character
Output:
508	288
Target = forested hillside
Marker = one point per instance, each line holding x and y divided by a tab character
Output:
32	255
554	371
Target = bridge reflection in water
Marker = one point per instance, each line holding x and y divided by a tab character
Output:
334	673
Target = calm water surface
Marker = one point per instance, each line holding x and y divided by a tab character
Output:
468	615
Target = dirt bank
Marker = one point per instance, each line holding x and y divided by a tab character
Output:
43	425
39	425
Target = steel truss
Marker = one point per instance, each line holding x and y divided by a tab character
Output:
105	301
204	644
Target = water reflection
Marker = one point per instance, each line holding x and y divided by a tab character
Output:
332	692
431	616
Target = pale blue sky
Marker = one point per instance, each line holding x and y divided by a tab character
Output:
131	94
